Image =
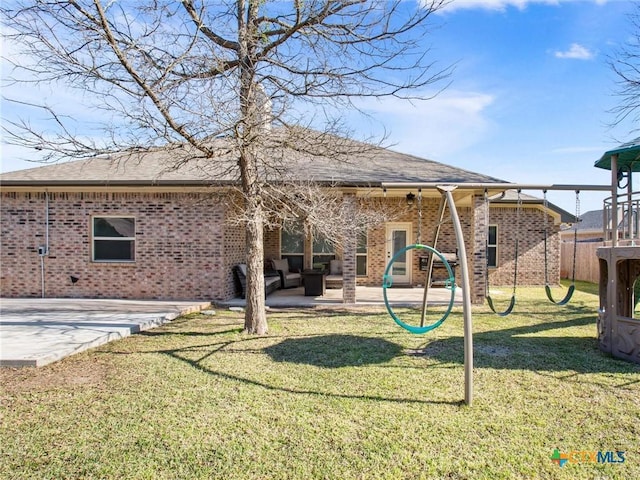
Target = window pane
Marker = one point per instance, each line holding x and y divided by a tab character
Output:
295	261
322	245
292	239
362	243
113	250
322	261
361	265
493	235
399	242
399	238
491	257
114	227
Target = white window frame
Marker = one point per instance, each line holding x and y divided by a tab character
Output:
94	237
364	254
494	246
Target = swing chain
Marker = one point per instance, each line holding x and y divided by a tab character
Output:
515	264
546	234
419	216
546	209
575	236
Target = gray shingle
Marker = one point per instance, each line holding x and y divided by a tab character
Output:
157	167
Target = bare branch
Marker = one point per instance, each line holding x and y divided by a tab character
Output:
625	63
246	91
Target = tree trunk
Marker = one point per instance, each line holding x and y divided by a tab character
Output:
249	131
255	320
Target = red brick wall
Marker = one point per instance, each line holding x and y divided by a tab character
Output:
530	244
446	241
271	244
184	249
530	236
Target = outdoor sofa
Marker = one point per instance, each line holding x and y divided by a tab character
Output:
271	280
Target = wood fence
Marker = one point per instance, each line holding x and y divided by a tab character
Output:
587	265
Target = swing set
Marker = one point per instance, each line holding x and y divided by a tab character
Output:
450	283
448	199
547	285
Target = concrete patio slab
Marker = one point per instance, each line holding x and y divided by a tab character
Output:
365	296
35	332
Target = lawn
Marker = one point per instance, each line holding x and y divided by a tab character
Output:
332	393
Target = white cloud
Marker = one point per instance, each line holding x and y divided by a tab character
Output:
575	51
501	5
497	5
436	128
594	150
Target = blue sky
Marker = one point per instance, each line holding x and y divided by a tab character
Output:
528	100
529	97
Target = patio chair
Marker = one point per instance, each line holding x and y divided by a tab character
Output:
288	278
334	279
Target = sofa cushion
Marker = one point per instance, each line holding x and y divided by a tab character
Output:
271	280
282	265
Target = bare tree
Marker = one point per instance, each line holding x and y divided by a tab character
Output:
188	73
625	63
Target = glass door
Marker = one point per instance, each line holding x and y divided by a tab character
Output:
399	237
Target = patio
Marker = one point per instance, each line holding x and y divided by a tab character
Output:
294	297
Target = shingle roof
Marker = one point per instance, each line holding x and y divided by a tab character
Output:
591	220
511	197
157	167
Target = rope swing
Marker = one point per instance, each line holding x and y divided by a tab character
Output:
512	302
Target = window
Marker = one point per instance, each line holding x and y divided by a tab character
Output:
323	252
292	244
114	239
492	246
361	255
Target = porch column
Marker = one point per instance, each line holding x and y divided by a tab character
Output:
479	246
349	246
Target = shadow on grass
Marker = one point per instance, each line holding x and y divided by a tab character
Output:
177	333
529	348
329	351
334	351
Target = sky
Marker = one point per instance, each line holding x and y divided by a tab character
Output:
529	98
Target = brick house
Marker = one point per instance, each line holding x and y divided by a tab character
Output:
134	228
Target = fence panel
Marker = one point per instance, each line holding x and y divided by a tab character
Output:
587	265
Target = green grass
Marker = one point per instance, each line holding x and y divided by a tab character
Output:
330	394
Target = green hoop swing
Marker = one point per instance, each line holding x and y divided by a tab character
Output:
450	283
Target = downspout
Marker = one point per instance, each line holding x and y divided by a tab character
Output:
44	250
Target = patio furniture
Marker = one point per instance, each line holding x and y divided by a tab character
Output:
334	279
272	280
314	283
288	278
441	279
